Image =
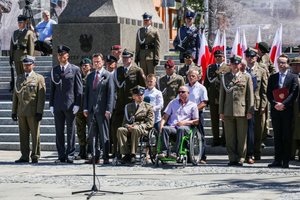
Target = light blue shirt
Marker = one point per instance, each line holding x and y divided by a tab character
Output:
178	112
44	29
156	100
198	93
282	78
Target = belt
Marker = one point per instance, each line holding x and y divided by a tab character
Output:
147	46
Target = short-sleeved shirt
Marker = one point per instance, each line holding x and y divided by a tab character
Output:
44	29
198	93
178	112
156	100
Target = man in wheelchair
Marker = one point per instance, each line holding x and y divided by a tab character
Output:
178	116
138	120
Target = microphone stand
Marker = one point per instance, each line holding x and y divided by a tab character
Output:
94	190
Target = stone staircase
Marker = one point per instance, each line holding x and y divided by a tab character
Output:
9	133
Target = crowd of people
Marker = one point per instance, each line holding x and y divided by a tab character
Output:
118	98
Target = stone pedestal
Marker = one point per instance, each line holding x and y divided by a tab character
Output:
92	26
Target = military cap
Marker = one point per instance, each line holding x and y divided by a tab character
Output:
235	59
169	64
295	60
28	60
22	18
116	47
85	61
219	52
263	46
189	14
188	54
110	58
127	54
250	52
147	16
63	49
139	90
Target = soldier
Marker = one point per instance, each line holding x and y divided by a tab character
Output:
188	38
125	77
260	80
22	43
214	73
188	64
235	107
170	83
81	120
110	63
147	46
138	120
65	100
28	106
116	51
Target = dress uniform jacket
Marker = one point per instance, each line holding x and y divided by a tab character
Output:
267	64
147	49
183	71
143	117
22	43
29	99
170	87
296	132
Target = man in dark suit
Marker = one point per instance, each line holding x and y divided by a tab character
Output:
65	100
282	91
98	106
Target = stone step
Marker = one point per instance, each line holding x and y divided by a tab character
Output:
37	58
7	113
14	137
7	73
15	129
7	105
9	121
38	65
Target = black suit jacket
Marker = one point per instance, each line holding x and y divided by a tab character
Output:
68	92
290	82
103	96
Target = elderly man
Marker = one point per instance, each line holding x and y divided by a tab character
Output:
179	115
138	120
282	91
28	106
116	51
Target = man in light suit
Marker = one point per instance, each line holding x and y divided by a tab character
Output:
98	106
138	120
282	102
147	46
65	100
235	107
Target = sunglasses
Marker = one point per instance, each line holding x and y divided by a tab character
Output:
181	92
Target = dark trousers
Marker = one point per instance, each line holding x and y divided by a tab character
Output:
201	129
250	137
282	127
45	47
60	118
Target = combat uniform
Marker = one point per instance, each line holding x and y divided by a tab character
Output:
214	73
22	43
28	105
147	48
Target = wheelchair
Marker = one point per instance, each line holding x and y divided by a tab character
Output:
147	146
190	151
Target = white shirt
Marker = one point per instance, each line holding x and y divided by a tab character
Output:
198	93
282	78
156	100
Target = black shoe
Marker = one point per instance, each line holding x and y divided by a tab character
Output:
125	159
239	164
106	161
215	144
269	136
285	165
232	163
70	161
257	158
21	160
263	145
132	159
35	160
275	164
60	160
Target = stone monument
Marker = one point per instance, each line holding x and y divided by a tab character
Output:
91	26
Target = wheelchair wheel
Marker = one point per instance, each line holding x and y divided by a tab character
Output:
153	137
195	147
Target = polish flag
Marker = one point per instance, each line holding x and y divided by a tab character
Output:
236	47
276	49
216	46
243	44
223	45
204	55
258	39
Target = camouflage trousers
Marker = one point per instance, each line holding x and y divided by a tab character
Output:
81	123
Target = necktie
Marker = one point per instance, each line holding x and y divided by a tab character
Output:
137	107
125	70
168	78
62	69
146	29
96	80
218	66
26	75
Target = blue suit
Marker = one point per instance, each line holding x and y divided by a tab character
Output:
66	92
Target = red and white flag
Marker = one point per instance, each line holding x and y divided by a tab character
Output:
223	45
276	49
243	44
258	39
216	46
236	47
204	55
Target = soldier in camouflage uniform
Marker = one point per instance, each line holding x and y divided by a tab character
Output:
81	120
188	64
170	83
214	73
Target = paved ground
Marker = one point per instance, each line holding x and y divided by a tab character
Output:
214	180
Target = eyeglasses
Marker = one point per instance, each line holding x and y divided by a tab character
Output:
218	56
181	92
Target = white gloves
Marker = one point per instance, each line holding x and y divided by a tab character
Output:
52	110
75	109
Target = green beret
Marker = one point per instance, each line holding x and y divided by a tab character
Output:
263	46
85	61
